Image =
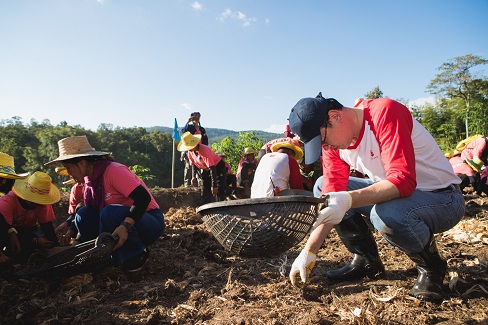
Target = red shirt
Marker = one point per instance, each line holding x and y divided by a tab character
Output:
15	215
392	145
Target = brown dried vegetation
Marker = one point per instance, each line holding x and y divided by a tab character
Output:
191	279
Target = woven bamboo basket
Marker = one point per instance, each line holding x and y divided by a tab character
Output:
263	226
85	257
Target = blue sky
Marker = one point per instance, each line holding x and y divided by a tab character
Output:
241	64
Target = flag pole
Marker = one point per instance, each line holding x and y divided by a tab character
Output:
173	167
176	138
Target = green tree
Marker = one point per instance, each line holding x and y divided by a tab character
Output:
233	149
374	94
456	80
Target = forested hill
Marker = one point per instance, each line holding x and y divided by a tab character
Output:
216	135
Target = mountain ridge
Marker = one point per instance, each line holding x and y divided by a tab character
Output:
216	135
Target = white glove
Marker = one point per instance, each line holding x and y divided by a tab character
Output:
338	204
302	265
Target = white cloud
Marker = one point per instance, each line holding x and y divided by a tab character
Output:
226	14
275	128
197	6
187	106
239	16
422	101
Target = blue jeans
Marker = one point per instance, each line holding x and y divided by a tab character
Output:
90	223
408	223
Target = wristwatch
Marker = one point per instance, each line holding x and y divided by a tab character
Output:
127	226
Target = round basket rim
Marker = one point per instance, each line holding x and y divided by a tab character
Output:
255	201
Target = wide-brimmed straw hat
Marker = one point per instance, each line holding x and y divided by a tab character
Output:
249	151
37	188
7	169
287	144
189	141
74	147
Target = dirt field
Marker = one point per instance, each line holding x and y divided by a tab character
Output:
191	279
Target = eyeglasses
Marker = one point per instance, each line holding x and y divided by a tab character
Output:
326	125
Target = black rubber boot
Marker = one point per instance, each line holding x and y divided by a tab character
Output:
356	236
432	269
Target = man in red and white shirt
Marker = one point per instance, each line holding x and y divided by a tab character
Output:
410	192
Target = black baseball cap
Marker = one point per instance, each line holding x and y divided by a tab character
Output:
306	119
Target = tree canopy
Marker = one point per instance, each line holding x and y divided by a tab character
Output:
457	80
460	94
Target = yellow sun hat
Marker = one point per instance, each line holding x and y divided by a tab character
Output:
188	141
61	171
70	181
7	169
37	188
287	144
64	172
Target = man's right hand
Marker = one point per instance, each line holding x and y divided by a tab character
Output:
302	266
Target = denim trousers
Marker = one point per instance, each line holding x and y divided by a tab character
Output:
408	223
90	223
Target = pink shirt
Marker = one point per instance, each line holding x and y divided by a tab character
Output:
244	159
119	182
204	158
15	215
474	149
460	167
484	175
75	197
392	145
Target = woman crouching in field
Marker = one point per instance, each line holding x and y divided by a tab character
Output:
116	201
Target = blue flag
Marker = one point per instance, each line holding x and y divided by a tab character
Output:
176	132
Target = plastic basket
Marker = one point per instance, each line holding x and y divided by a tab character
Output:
261	227
85	257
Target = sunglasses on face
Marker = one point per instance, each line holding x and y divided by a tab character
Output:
195	114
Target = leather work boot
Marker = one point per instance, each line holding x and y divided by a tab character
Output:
432	269
358	239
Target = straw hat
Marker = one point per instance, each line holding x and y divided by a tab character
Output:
287	144
7	167
189	141
70	181
249	151
74	147
37	188
64	172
